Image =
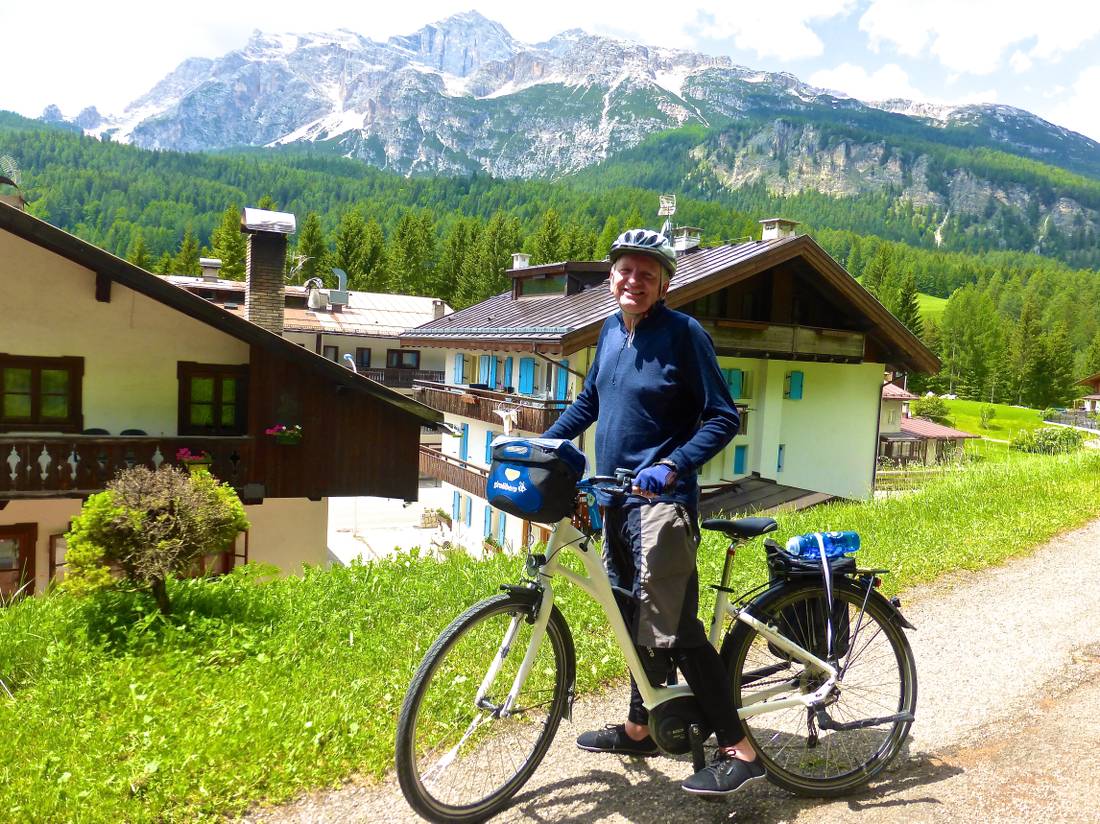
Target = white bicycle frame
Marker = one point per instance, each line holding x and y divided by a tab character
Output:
595	582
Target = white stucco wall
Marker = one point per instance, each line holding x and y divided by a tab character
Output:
347	344
890	417
131	345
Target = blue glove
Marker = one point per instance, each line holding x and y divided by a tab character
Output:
655	479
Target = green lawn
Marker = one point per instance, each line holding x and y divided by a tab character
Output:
1007	420
931	307
263	689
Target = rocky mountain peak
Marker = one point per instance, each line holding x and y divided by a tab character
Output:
459	44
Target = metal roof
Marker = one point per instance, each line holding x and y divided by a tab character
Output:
896	393
934	431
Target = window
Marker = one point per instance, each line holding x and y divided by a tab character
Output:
362	357
402	359
331	353
213	399
41	393
554	285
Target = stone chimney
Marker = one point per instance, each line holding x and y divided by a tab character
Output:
264	264
520	260
686	237
777	228
437	309
210	268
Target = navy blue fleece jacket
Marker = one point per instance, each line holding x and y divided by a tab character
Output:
657	396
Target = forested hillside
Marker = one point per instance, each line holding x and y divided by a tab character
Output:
1012	314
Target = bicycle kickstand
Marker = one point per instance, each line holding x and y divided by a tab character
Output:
696	737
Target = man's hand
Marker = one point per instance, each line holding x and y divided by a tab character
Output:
653	480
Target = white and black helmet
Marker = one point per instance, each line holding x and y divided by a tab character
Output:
645	242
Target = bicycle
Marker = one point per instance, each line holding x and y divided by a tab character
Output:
826	693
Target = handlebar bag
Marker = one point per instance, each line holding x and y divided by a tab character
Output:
534	478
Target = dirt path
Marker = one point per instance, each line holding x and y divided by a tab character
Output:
1008	664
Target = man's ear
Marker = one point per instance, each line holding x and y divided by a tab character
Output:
666	281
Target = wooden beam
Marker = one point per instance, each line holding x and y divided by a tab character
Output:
102	288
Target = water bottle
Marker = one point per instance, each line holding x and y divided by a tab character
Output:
837	544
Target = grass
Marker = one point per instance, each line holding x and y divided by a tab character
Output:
1006	422
930	306
262	689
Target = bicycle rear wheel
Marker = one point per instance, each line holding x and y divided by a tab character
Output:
878	679
457	759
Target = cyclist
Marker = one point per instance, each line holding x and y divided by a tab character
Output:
662	409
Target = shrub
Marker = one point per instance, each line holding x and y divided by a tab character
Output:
1049	414
986	416
1048	440
151	525
930	407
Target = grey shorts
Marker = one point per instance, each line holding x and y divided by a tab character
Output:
649	552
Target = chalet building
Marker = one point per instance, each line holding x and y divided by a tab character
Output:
345	326
802	345
904	439
104	366
1090	403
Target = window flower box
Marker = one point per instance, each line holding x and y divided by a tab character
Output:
286	435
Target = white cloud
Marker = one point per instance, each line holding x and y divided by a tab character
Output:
782	31
972	36
1019	62
1078	111
888	82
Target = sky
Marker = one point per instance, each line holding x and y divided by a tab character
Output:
1043	57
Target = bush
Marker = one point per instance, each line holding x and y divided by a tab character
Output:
1050	413
930	407
1048	440
986	416
150	525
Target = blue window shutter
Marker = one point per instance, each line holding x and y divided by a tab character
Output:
488	521
562	388
489	447
734	380
508	372
740	458
456	508
464	444
527	375
502	527
492	372
794	386
458	368
469	511
483	368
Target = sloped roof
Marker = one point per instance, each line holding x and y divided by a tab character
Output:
367	314
1091	380
566	323
106	265
932	431
892	392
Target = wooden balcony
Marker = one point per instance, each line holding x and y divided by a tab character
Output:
66	466
466	476
533	415
401	378
750	339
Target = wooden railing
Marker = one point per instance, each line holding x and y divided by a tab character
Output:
532	414
51	466
401	378
747	337
466	476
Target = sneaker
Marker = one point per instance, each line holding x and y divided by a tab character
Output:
724	775
613	738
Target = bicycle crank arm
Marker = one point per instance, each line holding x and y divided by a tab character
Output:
826	723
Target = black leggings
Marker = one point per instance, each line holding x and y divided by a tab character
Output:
703	670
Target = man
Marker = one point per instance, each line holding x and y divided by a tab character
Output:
663	410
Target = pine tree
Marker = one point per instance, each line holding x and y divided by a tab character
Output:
164	265
1023	352
879	273
908	311
483	269
374	249
267	202
1092	357
608	235
1060	382
229	244
349	252
546	244
138	252
410	255
312	248
186	261
457	243
578	243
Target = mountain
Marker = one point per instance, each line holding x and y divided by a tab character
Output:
462	96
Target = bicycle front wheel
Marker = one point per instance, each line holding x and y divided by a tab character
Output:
877	679
458	759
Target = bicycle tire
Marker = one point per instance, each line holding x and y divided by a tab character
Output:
438	714
879	680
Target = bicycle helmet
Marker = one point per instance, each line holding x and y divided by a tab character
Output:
645	242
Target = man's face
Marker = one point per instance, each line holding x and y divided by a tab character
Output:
637	282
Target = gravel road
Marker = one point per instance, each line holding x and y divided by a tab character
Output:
1008	665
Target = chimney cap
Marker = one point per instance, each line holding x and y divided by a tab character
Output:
781	221
520	260
262	220
210	263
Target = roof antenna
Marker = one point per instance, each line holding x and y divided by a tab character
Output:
667	210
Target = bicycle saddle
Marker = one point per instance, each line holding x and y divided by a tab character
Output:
742	528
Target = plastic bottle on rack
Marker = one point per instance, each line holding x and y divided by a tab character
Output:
836	544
